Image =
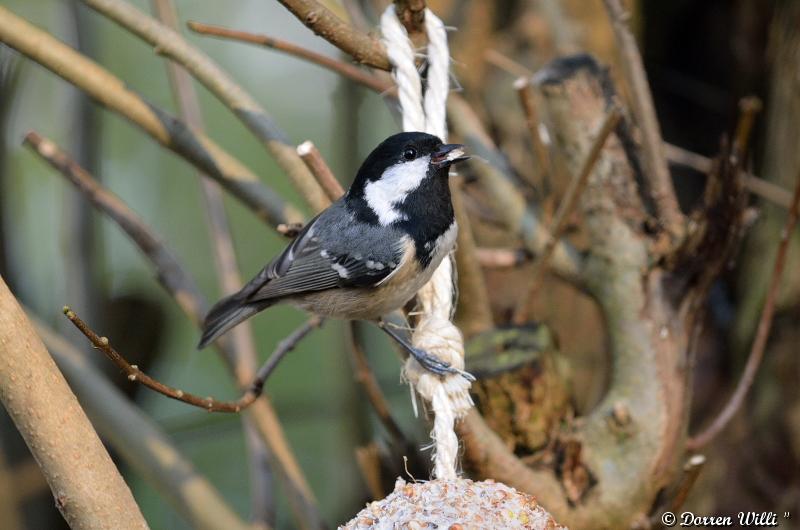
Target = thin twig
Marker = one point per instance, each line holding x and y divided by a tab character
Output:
505	63
749	107
675	154
756	185
170	272
372	389
762	334
347	70
138	439
243	344
655	163
501	258
218	82
111	92
527	100
691	470
210	404
321	171
568	203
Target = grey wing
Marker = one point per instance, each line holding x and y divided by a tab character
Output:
323	258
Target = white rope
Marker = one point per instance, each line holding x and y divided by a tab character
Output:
435	333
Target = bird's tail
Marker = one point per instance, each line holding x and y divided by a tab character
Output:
226	314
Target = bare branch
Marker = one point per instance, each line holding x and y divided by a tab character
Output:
363	48
473	312
762	334
527	100
655	163
506	64
139	441
89	491
210	404
112	93
567	206
242	104
501	258
372	389
339	67
170	272
321	171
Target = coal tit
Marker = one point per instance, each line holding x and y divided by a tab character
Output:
369	252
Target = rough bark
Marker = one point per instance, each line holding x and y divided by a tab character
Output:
88	489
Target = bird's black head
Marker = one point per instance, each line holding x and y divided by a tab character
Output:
410	166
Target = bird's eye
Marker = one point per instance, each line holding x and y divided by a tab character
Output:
410	153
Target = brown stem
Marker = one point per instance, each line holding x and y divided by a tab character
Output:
758	186
762	334
321	171
501	258
345	69
138	439
243	344
567	206
474	311
170	272
87	487
655	163
242	104
527	100
749	108
112	93
372	389
207	403
364	48
505	63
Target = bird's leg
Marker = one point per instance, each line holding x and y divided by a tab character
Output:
425	359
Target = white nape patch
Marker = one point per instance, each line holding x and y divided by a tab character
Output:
392	188
340	269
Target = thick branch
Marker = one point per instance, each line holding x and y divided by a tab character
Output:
112	93
243	105
655	163
87	487
568	204
364	48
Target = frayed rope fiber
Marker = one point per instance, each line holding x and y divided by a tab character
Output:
435	333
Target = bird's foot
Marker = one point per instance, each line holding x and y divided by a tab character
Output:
437	366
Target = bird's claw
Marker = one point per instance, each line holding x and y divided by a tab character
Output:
436	366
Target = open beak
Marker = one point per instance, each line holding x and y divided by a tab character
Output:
448	154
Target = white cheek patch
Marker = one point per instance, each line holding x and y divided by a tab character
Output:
392	188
